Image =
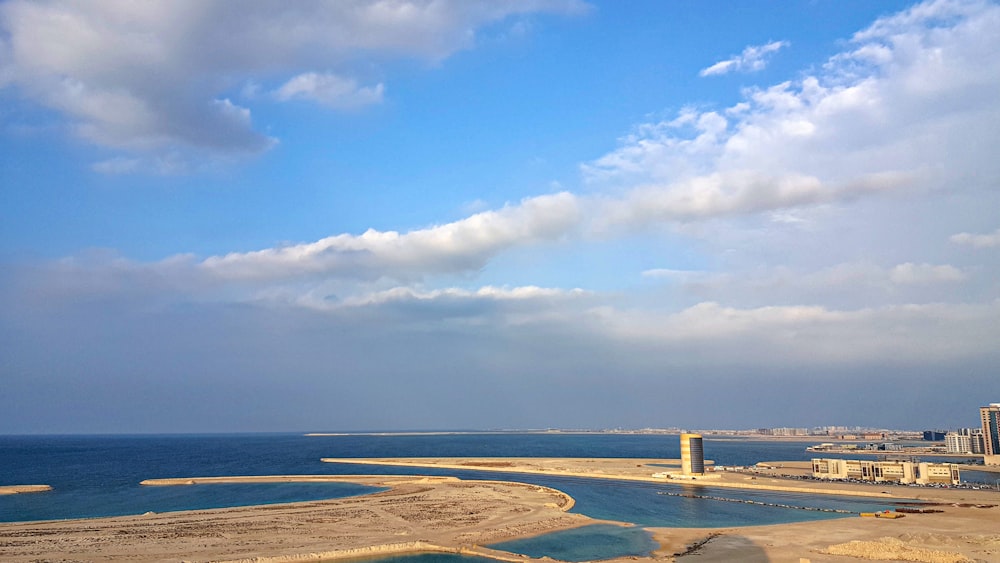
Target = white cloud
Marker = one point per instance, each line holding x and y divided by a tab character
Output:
409	295
978	241
753	58
904	110
330	90
149	75
910	273
733	193
452	247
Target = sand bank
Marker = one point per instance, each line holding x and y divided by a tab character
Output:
642	470
415	514
957	534
19	489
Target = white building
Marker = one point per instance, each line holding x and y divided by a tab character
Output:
956	443
904	472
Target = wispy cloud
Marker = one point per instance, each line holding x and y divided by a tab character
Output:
978	241
753	58
330	90
910	273
452	247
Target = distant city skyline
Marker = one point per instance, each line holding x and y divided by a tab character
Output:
254	216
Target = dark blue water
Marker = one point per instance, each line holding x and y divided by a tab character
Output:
99	475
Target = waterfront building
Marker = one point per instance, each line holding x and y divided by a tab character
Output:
978	442
956	443
692	455
933	435
937	474
990	416
903	472
789	432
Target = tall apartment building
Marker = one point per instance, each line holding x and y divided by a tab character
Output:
958	443
991	433
977	443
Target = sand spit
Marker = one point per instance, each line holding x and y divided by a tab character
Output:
415	514
386	480
20	489
638	470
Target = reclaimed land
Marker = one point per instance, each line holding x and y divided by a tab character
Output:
416	514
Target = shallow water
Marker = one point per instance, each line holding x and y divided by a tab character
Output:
589	543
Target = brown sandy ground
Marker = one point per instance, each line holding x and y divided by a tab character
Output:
20	489
956	535
417	513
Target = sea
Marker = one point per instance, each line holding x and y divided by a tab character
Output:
94	476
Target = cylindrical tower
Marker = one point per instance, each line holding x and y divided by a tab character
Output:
692	455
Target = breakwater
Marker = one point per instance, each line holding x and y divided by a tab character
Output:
757	502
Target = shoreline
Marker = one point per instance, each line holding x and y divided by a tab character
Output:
566	504
452	463
23	489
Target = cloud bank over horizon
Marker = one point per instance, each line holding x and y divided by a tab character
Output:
817	232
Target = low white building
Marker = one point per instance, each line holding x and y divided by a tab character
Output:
903	472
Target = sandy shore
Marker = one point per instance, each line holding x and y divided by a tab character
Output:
643	469
955	535
415	514
20	489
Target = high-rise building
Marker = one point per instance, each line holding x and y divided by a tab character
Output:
991	433
976	441
692	455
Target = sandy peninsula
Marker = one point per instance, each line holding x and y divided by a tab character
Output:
21	489
627	469
415	514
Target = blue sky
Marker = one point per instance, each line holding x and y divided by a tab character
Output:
388	215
